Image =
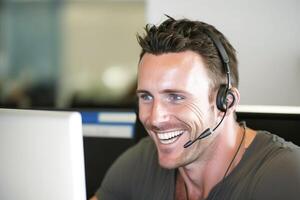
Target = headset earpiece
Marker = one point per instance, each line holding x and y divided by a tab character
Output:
222	98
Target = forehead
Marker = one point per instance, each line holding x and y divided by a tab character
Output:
183	70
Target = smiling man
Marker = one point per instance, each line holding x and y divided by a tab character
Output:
187	91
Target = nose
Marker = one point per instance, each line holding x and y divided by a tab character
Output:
158	114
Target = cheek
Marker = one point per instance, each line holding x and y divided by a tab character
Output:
194	117
143	113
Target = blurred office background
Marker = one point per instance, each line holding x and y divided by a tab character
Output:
74	54
61	54
66	53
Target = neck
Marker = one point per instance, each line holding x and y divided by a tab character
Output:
225	152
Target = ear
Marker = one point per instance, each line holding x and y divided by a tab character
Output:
233	99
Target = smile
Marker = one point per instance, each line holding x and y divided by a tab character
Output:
169	137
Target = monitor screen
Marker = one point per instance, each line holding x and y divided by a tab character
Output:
41	155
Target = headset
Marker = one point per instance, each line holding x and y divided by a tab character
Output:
223	92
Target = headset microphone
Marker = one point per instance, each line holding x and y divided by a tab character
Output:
204	134
223	92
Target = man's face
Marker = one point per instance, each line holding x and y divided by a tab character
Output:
173	91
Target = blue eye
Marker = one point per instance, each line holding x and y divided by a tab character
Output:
175	97
145	97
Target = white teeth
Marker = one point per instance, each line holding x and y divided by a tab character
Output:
169	137
168	141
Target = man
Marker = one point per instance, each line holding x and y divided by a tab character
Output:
187	91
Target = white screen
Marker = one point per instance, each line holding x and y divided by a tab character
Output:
41	155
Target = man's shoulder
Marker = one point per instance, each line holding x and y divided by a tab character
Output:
145	143
139	153
279	176
266	140
275	152
144	146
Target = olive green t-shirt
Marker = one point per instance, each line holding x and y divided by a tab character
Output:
269	169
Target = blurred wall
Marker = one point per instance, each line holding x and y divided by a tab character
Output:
99	49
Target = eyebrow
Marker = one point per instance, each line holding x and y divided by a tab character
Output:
163	91
174	91
141	91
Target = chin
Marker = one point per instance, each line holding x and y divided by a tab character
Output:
167	163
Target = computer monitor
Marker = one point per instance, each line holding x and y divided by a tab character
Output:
41	155
107	133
